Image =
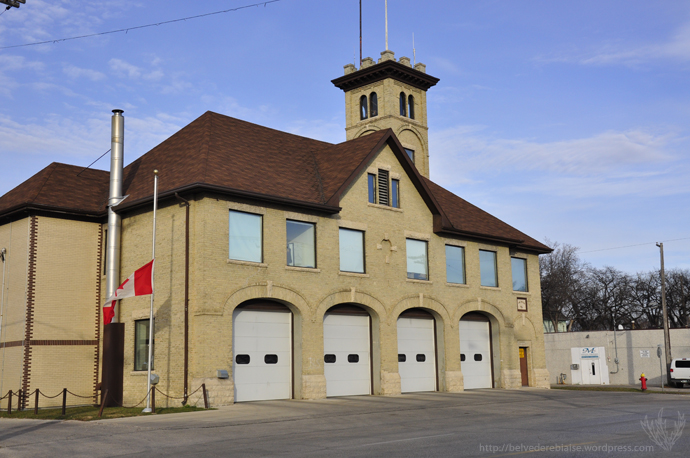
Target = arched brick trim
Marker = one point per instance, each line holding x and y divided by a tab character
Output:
368	129
350	297
420	301
414	131
528	327
291	298
485	307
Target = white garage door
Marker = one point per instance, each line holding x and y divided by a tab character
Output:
475	354
346	346
416	354
262	348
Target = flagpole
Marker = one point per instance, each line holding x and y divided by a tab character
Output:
153	256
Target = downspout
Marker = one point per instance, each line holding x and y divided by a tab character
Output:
3	254
615	344
112	265
185	202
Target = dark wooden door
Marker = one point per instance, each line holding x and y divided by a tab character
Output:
523	366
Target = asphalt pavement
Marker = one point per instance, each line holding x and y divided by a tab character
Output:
528	422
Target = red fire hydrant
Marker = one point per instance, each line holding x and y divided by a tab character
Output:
643	379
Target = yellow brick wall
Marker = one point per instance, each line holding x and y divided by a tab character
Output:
66	366
217	285
14	237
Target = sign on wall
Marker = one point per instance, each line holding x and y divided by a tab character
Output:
644	353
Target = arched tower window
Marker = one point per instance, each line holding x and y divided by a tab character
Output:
363	107
410	110
373	104
403	104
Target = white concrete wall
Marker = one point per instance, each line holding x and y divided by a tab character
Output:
630	343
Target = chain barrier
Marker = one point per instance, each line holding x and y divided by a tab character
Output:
62	392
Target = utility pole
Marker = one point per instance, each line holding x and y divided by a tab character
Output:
13	3
667	336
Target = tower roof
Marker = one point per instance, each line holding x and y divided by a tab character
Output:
383	70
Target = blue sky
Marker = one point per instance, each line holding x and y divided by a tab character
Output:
568	120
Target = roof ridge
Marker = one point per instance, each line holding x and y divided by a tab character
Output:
52	167
282	132
205	143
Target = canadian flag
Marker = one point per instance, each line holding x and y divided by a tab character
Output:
140	283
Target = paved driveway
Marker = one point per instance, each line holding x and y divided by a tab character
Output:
477	423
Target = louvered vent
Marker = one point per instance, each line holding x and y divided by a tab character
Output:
384	193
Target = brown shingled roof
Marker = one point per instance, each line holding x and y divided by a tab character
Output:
61	188
235	157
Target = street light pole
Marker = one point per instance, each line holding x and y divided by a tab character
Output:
667	336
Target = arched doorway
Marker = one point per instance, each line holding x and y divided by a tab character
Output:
347	351
262	351
417	351
476	353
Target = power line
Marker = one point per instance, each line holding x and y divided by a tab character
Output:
142	26
99	158
629	246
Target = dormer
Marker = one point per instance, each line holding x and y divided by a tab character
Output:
389	94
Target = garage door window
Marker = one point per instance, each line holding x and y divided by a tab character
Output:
519	268
487	267
301	244
141	345
245	236
417	264
351	251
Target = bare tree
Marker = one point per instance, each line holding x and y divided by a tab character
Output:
562	274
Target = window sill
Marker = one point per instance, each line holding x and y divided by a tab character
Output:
247	263
412	280
458	285
490	288
385	207
522	293
303	269
142	372
353	274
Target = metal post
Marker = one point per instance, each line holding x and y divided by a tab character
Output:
64	401
36	403
203	389
112	262
105	396
667	335
9	403
153	399
661	366
153	256
360	33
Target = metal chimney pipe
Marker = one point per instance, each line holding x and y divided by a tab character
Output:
117	150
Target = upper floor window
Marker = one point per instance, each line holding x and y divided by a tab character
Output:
301	244
351	250
371	183
141	345
245	236
373	104
410	153
417	264
410	106
519	268
403	105
383	190
455	264
395	193
363	107
488	269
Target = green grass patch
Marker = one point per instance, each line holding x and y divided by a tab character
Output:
87	413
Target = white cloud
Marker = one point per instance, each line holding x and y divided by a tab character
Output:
119	67
609	163
76	72
677	47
